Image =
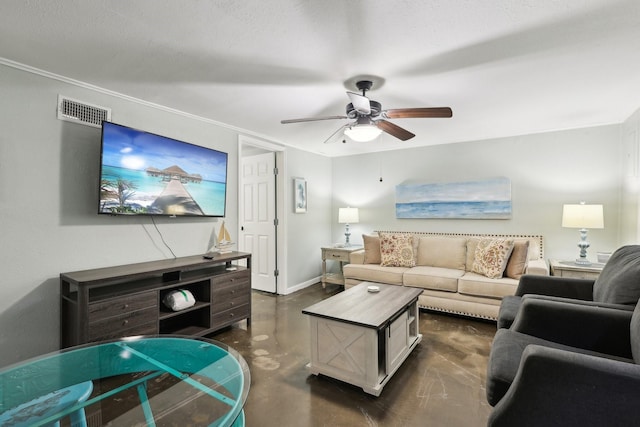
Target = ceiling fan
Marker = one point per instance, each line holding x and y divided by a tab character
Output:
370	117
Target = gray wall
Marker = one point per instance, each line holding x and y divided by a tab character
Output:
48	193
48	203
546	171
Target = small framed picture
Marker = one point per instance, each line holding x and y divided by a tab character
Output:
300	195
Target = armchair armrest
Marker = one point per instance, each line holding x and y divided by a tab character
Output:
556	286
595	328
583	302
558	388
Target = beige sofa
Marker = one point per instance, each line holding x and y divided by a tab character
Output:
449	268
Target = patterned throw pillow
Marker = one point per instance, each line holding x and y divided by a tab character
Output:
492	256
396	250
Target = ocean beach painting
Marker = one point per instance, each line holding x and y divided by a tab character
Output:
482	199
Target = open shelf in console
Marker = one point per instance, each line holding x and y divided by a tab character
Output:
197	318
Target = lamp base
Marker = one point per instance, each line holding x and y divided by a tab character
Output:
346	236
583	262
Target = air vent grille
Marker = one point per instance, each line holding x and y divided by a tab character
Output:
72	110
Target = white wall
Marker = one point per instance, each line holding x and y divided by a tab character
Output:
546	171
630	220
307	232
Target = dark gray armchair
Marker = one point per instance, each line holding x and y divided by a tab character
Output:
566	364
618	286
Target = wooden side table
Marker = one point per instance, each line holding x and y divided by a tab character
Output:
571	269
335	254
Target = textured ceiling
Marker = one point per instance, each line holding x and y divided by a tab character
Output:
505	67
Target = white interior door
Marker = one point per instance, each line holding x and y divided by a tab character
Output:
257	214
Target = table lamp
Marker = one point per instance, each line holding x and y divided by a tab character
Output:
582	216
347	216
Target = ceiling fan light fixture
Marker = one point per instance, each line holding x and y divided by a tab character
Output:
363	133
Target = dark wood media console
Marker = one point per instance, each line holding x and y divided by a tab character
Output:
126	300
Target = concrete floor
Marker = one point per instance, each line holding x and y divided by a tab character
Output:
440	384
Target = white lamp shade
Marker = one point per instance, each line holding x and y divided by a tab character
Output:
363	133
582	216
348	216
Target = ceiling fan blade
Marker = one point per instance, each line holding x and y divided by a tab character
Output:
334	136
415	113
360	103
312	119
394	130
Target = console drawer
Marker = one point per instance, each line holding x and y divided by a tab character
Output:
336	255
230	279
122	305
144	329
228	302
229	317
115	326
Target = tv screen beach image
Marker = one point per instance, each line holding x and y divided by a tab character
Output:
148	174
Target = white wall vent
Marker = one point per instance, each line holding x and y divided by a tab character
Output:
72	110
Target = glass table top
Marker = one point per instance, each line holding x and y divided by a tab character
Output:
159	380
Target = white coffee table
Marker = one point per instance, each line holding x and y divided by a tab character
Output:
362	338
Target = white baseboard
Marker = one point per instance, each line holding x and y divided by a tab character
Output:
302	285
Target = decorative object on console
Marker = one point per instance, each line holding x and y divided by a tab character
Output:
348	216
300	195
223	242
482	199
179	299
582	216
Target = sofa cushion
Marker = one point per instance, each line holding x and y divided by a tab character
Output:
441	279
491	257
374	273
480	285
371	249
517	264
472	244
445	252
396	250
534	249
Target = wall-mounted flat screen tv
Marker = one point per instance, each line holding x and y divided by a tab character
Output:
142	173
